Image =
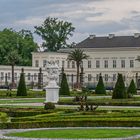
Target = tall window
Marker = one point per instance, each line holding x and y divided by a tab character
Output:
106	63
68	64
35	76
73	64
89	77
114	77
89	64
97	77
106	77
97	64
36	63
57	61
15	76
44	63
63	63
114	64
131	63
9	75
2	75
123	63
29	76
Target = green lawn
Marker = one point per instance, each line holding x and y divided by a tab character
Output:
79	133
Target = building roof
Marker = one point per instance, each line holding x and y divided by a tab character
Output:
110	41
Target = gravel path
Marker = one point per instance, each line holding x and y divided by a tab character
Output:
6	131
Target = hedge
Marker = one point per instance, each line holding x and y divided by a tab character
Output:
70	123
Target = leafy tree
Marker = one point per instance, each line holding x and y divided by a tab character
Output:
131	89
100	88
21	91
77	55
119	91
12	58
64	87
22	42
55	33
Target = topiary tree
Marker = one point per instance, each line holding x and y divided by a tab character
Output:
131	89
21	91
64	87
119	91
100	88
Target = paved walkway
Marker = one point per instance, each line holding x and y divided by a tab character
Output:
6	131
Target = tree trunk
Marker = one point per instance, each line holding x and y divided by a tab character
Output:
13	79
77	80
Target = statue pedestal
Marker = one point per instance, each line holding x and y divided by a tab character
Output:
52	92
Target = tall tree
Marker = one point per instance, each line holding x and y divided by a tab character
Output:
55	33
12	58
77	55
21	41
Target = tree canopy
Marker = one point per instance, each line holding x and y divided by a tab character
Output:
55	33
21	42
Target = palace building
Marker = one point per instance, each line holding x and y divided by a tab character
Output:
108	55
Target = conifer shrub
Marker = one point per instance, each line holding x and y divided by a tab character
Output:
22	91
64	87
131	89
100	88
119	91
49	105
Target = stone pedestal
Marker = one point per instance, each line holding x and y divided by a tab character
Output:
52	92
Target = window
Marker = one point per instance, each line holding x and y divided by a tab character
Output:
106	63
2	75
114	64
97	77
131	63
114	77
15	76
123	63
9	76
81	64
97	64
29	76
89	77
44	63
63	63
73	64
36	63
68	64
57	62
35	76
106	77
89	64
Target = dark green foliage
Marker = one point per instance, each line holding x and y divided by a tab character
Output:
131	89
100	88
64	87
49	105
55	33
119	91
21	91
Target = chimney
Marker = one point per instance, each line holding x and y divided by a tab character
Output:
136	35
92	36
111	36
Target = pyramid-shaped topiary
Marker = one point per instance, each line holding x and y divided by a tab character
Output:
21	91
119	91
64	87
100	88
131	89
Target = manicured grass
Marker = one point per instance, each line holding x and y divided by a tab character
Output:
79	133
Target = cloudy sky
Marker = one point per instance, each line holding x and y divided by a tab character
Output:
99	17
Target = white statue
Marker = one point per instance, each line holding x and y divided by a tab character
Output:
52	89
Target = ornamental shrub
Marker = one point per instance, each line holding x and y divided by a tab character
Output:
100	88
49	105
131	89
64	87
119	91
21	91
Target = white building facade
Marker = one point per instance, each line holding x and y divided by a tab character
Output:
107	55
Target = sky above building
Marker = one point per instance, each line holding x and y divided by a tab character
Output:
99	17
